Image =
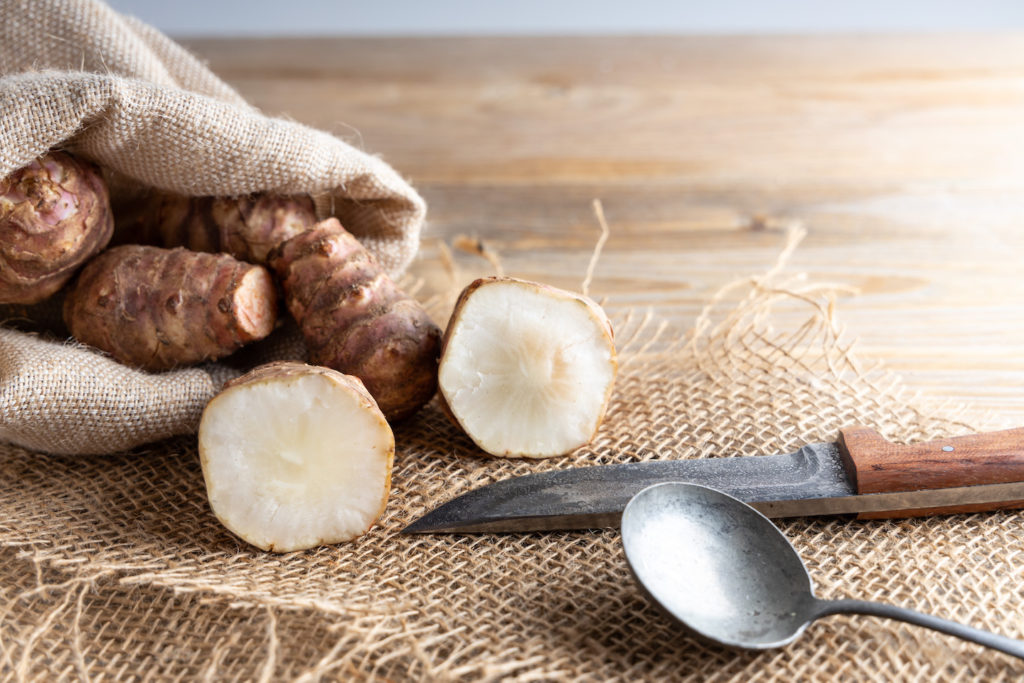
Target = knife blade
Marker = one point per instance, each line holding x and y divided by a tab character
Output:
861	473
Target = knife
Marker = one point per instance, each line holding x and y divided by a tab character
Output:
862	473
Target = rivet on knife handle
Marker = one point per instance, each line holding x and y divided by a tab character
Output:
875	465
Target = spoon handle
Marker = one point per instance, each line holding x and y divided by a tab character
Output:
1010	646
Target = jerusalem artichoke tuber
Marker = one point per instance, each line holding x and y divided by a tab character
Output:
356	320
526	369
158	308
352	315
295	456
245	227
54	215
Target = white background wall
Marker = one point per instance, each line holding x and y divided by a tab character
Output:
420	17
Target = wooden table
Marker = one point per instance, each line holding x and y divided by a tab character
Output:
903	156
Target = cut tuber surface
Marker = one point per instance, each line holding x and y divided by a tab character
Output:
527	369
355	319
158	308
295	456
54	215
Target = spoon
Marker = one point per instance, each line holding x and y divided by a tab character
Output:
728	575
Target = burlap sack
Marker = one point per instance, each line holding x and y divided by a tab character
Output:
114	568
76	75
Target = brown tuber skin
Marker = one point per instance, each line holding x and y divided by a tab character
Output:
160	308
353	317
356	320
245	227
54	215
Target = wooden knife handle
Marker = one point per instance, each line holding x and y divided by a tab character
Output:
879	466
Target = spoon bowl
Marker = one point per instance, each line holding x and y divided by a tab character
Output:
727	574
721	569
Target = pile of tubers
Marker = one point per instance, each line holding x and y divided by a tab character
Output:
298	455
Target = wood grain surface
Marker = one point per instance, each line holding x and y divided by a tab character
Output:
903	157
878	466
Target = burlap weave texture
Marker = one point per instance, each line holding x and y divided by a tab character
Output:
118	567
46	384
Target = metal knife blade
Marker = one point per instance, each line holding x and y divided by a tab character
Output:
810	481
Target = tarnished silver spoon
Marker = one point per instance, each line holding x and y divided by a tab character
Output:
728	575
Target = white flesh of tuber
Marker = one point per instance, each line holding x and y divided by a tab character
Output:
296	456
527	369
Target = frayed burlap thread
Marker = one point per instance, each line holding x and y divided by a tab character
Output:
129	540
78	76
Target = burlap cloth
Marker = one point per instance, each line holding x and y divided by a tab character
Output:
113	567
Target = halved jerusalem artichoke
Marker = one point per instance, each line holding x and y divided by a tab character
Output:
296	456
527	369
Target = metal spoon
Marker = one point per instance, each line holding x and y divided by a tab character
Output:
728	575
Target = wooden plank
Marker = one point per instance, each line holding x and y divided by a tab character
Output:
903	156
